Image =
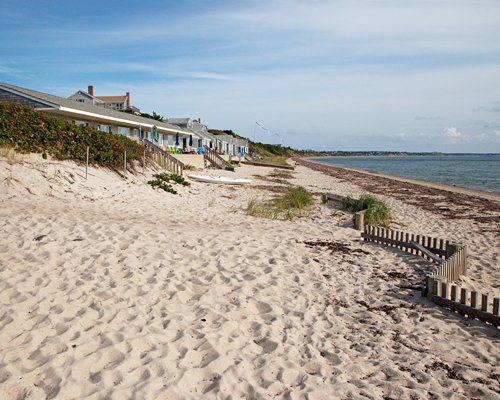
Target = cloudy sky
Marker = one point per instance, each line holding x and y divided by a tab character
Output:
329	75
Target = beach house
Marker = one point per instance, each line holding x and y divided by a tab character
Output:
232	146
198	129
103	118
119	103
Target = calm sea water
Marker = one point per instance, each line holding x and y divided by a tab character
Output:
478	171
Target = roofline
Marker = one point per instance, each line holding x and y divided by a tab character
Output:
54	107
102	116
38	100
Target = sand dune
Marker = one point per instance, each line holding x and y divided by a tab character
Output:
110	289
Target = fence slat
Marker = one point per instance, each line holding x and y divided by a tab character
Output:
454	292
463	296
444	290
484	302
473	299
496	306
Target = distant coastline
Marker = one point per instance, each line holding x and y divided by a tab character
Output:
321	154
338	153
458	187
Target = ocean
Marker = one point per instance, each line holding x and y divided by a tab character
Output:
477	171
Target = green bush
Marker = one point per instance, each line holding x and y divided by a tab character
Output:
162	181
377	211
29	131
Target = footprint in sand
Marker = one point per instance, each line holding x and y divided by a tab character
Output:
268	346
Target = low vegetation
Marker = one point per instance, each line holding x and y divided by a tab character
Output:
29	131
275	160
285	206
377	211
276	176
162	181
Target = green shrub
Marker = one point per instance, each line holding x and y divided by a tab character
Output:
162	181
377	211
29	131
161	184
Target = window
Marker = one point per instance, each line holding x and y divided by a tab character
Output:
171	140
104	128
80	123
123	131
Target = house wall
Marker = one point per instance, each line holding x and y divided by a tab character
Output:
132	133
6	96
81	98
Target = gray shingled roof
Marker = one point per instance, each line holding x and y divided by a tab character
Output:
107	112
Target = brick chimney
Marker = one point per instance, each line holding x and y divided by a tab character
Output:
90	90
128	100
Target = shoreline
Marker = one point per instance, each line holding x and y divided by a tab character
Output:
494	196
102	298
449	202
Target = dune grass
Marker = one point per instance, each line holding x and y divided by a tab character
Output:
276	160
286	206
377	211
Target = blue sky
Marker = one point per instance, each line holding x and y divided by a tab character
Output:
328	75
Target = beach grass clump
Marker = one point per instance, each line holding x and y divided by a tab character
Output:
377	211
280	173
276	160
272	178
28	131
162	181
285	206
9	154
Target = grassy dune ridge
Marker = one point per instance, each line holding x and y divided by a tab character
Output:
29	131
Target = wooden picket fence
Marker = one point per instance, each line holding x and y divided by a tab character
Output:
446	295
454	266
415	244
451	263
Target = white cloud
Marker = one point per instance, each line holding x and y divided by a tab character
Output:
452	132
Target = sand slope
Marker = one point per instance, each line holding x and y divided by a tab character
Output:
110	289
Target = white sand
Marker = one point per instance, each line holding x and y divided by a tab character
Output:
137	293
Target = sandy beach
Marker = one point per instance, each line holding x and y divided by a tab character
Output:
110	289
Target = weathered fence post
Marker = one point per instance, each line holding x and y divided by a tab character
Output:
124	163
434	284
359	220
87	164
144	161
